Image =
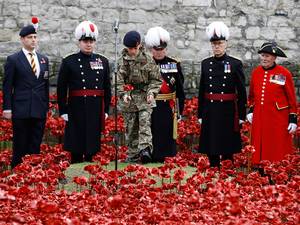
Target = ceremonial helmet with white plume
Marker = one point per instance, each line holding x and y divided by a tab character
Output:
157	38
86	30
217	31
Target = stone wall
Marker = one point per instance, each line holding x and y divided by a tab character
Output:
251	22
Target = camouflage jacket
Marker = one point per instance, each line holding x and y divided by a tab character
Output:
143	75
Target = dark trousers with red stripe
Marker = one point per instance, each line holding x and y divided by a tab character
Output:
27	138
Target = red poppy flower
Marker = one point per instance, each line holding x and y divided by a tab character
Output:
128	87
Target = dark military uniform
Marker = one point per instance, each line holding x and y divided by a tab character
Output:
164	143
84	93
222	103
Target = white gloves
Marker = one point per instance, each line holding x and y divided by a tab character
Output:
292	127
241	121
250	117
106	115
179	119
200	121
65	117
7	114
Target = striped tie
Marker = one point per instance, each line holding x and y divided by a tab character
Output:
32	62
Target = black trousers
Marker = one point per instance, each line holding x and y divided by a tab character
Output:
215	160
27	138
82	157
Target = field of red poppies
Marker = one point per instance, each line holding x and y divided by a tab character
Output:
236	194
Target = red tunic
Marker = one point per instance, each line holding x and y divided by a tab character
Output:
272	95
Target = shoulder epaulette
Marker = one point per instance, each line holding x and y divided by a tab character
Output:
72	53
101	55
235	57
206	58
175	58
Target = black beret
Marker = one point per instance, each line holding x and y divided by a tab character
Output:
272	48
132	39
27	30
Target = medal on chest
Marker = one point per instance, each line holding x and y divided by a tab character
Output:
278	79
168	68
227	67
97	64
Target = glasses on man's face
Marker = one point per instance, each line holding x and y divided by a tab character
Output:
217	43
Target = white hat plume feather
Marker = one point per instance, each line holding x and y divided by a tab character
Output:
87	29
217	28
156	35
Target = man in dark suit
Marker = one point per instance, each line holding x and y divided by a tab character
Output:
83	94
222	99
26	95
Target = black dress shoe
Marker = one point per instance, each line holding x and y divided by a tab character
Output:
88	158
76	158
145	155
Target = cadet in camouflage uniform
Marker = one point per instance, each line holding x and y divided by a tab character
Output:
137	71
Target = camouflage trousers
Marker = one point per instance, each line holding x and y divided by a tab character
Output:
138	131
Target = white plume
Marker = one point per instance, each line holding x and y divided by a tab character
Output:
85	29
217	28
155	35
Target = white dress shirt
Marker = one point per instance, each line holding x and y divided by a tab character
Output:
37	64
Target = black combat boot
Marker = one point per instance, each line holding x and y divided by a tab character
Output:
145	155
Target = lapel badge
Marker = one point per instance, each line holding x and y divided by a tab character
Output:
43	61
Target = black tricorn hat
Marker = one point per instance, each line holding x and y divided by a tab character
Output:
272	48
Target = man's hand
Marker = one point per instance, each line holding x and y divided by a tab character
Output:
106	115
200	121
126	98
65	117
250	117
292	127
241	122
7	115
150	99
